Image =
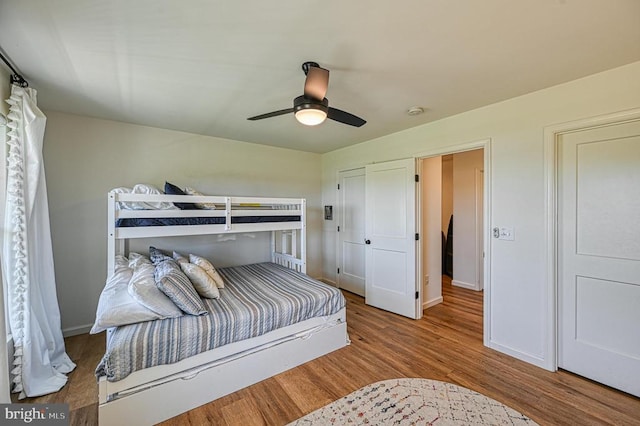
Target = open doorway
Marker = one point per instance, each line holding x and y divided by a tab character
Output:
452	215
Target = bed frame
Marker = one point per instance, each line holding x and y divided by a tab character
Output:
158	393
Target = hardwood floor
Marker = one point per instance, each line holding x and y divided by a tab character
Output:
445	345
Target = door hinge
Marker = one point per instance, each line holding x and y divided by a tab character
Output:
338	270
417	295
417	178
338	229
338	186
417	237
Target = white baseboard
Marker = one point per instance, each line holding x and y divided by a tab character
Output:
74	331
326	281
465	285
432	302
522	356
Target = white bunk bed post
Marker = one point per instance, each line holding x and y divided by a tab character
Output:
273	247
294	243
115	245
283	242
111	233
303	236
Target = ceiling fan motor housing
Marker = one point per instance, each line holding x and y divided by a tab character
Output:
304	102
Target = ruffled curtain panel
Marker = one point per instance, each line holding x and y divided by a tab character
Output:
40	362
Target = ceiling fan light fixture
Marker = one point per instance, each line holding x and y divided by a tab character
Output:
311	116
310	112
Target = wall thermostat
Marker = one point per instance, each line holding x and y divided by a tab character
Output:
328	212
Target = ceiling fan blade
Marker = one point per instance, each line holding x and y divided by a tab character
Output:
345	117
315	86
271	114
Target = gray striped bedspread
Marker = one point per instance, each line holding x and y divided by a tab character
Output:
256	299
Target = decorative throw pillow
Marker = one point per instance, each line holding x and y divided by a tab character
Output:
142	287
179	258
115	306
206	206
202	282
208	267
177	286
157	256
171	189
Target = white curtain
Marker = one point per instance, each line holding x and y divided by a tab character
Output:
40	362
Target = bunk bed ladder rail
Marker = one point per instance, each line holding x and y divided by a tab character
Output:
289	255
227	222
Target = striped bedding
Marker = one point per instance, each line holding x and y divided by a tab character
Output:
256	299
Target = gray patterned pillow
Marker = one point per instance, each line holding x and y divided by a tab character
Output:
157	256
142	287
177	286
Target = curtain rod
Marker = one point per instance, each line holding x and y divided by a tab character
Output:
16	78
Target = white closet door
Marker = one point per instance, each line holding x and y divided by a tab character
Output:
390	237
599	254
351	219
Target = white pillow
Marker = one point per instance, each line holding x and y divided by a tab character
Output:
179	258
142	188
116	307
207	206
136	259
121	262
208	267
202	282
142	287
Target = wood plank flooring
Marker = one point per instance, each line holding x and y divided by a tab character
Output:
445	345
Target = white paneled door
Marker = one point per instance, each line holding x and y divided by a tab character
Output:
599	254
390	246
351	219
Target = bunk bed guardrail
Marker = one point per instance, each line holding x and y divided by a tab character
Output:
289	251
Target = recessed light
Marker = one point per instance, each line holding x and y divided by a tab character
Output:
415	110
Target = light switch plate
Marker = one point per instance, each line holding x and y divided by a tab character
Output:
507	233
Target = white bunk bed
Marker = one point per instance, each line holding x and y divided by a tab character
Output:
154	394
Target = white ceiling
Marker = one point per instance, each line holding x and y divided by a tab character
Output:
205	66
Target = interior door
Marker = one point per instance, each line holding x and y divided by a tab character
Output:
599	254
390	237
351	219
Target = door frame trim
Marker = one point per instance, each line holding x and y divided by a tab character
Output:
551	136
484	144
337	212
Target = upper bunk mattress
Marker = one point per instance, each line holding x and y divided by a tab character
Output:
256	299
175	221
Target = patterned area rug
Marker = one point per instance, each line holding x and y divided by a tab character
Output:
414	402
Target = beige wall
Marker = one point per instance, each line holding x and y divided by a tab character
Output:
520	306
431	177
447	191
86	157
465	261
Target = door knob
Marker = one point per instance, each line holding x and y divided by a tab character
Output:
367	241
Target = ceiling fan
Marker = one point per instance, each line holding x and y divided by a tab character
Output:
313	108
